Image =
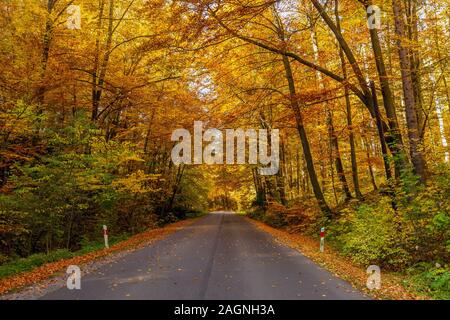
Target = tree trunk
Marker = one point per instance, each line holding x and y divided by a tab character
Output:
366	146
348	107
335	155
392	135
95	100
393	139
280	178
387	167
304	140
415	61
99	73
417	158
41	89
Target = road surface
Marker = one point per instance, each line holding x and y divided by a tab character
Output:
220	256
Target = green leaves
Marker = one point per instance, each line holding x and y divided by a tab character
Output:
375	237
430	280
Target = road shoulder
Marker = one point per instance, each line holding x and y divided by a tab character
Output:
37	282
340	266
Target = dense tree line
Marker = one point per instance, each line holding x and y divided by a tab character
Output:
86	117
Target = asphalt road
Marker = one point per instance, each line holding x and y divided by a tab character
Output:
220	256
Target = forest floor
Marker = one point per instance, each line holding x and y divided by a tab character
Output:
343	267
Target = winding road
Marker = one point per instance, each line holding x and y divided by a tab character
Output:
219	256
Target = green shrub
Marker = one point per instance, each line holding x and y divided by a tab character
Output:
425	211
375	237
430	280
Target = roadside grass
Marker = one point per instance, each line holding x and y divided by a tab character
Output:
428	280
20	265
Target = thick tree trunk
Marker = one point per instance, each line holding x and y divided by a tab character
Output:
417	158
392	135
415	61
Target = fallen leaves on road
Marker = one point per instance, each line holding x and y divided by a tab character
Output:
49	269
334	262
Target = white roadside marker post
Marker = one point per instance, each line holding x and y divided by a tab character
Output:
105	235
322	239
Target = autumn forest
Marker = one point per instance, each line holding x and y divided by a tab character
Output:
91	91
